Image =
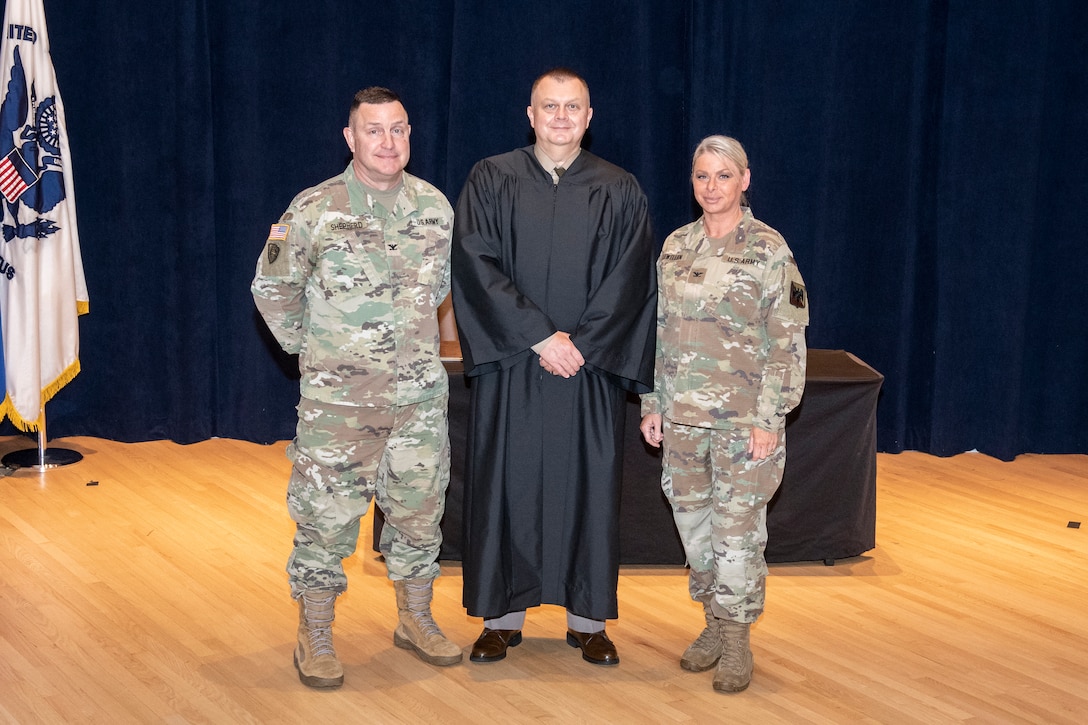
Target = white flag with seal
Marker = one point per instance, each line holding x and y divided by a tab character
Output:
42	288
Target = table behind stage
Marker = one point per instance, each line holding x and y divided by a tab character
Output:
824	510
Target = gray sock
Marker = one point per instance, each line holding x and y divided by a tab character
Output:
583	625
510	620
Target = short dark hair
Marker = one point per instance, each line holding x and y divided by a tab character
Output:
372	95
560	74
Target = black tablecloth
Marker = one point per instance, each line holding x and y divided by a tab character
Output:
825	509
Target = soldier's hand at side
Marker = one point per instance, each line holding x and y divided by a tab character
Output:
761	443
651	429
560	356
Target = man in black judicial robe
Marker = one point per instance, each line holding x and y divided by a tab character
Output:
554	293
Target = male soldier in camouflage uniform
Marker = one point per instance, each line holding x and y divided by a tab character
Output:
351	278
732	312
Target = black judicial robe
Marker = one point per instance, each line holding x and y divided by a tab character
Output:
544	463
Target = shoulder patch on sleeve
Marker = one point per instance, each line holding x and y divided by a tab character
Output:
798	297
275	261
792	306
278	232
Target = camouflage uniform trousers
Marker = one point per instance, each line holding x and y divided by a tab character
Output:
719	501
343	457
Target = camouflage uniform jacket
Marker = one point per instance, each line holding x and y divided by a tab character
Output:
355	291
730	329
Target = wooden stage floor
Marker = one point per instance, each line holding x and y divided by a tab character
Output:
145	584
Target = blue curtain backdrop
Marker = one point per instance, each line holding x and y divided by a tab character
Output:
926	162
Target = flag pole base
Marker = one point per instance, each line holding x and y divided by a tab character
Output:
42	460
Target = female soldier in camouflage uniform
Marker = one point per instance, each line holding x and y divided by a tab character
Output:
732	312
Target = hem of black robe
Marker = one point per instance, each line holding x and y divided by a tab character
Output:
524	607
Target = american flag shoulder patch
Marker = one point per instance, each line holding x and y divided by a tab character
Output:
278	232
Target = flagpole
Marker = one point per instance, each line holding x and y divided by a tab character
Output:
42	458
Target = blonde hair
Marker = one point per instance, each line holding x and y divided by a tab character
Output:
724	147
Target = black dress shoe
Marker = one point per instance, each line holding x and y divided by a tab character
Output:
596	647
491	645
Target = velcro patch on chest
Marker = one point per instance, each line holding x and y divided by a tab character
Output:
744	261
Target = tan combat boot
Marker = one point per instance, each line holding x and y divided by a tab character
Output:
704	652
315	658
735	666
416	629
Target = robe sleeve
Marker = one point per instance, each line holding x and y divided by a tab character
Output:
497	325
617	333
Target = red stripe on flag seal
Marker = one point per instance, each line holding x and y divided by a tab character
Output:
15	176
